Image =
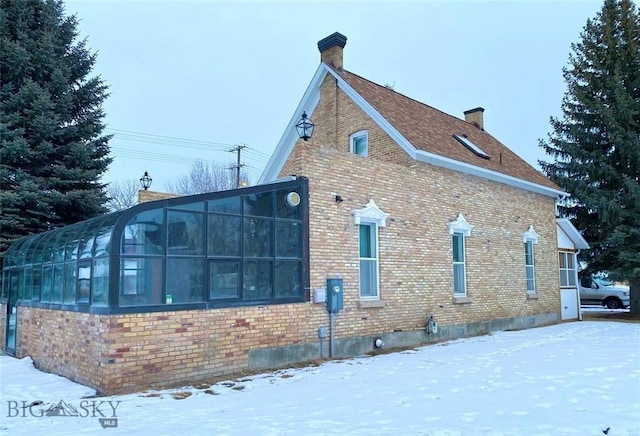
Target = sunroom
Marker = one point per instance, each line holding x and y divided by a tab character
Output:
241	247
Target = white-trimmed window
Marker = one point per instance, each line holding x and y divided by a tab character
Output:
459	266
368	219
530	267
359	143
567	265
368	261
530	238
459	229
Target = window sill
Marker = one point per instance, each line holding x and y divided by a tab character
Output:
368	304
532	296
462	300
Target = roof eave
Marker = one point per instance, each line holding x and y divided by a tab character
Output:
578	240
445	162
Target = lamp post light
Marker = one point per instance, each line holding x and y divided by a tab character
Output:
305	127
145	181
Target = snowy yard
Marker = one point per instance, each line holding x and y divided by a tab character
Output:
578	378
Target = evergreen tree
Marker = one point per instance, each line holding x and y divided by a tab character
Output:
596	143
52	151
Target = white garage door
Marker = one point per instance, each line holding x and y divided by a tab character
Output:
569	301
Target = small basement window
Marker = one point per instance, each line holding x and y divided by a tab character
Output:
462	139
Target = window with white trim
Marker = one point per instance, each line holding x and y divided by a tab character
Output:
530	238
459	229
359	143
368	260
368	220
459	266
567	266
530	267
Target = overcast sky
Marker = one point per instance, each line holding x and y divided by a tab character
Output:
205	76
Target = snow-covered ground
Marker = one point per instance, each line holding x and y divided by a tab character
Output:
578	378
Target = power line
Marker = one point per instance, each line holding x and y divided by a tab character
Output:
120	133
166	158
129	135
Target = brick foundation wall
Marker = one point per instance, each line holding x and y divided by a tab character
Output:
70	344
125	353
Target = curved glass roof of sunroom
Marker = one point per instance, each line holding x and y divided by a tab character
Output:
245	246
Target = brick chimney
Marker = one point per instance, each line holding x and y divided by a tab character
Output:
475	117
331	49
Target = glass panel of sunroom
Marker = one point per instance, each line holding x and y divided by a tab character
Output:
185	233
83	287
288	239
257	280
69	289
258	237
185	279
288	280
85	246
37	283
144	233
56	295
100	282
103	236
44	252
141	281
260	204
224	235
231	205
224	279
47	281
25	285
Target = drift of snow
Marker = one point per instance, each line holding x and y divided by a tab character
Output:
578	378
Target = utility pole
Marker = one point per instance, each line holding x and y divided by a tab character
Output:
238	148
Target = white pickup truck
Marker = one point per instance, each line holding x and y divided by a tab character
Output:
594	290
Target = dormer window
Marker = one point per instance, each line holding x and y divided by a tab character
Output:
359	143
462	139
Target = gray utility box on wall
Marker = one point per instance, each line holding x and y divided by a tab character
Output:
335	299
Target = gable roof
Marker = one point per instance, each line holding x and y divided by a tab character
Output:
423	132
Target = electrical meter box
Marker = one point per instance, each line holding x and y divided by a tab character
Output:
335	298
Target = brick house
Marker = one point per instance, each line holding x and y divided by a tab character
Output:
423	218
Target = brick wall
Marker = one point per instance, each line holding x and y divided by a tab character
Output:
415	254
70	344
124	353
145	196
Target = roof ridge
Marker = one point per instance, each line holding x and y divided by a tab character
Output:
406	96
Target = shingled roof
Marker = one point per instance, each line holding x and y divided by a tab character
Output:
431	130
426	134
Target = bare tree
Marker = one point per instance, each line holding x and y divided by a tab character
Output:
203	177
122	195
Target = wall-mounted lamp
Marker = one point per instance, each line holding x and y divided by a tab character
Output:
145	181
305	127
337	197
